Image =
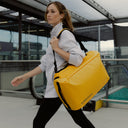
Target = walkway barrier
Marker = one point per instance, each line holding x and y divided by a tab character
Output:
116	91
118	83
12	68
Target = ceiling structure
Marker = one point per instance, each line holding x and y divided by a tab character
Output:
87	15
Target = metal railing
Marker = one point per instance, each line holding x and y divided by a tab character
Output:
12	68
118	71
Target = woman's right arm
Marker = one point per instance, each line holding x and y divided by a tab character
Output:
20	79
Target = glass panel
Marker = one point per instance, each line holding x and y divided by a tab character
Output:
10	69
8	39
80	7
34	45
118	84
121	52
97	41
91	45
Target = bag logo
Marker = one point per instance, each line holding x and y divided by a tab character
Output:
86	98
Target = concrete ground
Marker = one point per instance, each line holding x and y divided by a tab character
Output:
19	113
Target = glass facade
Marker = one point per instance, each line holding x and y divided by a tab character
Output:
34	45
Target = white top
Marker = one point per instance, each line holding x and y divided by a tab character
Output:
68	43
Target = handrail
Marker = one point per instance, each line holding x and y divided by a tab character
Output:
112	100
19	92
122	59
19	61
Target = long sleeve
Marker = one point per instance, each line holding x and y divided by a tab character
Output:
43	63
69	44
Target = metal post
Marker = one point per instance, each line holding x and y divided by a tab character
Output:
20	34
115	41
29	29
0	82
99	38
37	48
107	90
107	86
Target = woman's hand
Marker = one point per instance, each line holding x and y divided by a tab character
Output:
55	46
18	80
54	43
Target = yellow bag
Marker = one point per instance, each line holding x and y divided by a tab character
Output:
76	86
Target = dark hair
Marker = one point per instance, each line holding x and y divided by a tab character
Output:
62	10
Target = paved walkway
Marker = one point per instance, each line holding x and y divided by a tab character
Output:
19	113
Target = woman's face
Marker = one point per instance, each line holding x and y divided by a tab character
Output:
53	15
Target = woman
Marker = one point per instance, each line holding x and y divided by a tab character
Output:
66	50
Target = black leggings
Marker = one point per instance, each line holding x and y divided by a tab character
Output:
49	107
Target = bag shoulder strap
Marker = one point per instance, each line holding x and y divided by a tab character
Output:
81	46
55	64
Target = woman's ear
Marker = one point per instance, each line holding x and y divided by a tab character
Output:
62	16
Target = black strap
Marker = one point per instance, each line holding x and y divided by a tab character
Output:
62	97
55	65
81	46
